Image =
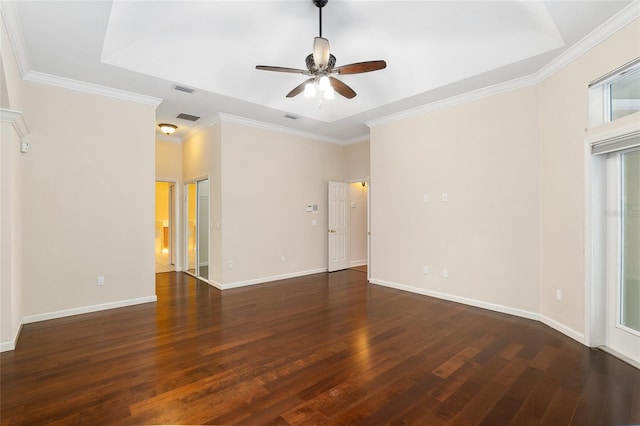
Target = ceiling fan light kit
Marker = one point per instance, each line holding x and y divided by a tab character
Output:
321	64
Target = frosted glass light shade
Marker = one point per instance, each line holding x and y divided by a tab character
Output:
324	83
309	90
321	52
329	93
167	129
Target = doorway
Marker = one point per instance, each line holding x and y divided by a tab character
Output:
359	218
197	228
164	227
348	226
615	317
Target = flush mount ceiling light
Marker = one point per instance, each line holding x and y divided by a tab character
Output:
167	129
320	65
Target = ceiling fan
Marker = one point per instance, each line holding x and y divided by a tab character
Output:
321	64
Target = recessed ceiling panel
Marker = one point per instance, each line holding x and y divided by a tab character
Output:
215	46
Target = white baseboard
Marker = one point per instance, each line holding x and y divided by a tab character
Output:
362	262
569	332
87	309
11	345
268	279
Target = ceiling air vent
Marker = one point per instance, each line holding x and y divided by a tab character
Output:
189	117
183	88
291	116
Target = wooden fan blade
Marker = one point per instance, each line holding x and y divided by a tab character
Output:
342	88
282	69
360	67
298	89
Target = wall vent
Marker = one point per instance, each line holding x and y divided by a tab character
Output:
183	88
189	117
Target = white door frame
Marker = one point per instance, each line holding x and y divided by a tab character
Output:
339	230
367	181
174	220
185	224
597	294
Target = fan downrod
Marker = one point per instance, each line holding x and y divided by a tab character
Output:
320	3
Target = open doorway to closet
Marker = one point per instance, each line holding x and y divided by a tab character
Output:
165	227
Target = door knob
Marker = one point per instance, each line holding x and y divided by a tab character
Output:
332	231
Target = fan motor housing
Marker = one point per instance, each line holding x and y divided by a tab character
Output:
320	3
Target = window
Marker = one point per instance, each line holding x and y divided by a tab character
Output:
615	95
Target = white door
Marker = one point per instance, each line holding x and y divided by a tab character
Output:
338	226
623	254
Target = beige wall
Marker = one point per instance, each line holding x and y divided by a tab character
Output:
563	122
357	160
201	159
514	166
358	223
88	201
268	179
483	155
169	169
11	163
168	161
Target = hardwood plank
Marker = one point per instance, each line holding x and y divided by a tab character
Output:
320	349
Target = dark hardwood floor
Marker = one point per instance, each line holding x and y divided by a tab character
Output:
322	349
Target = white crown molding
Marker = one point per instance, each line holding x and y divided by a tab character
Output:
358	139
614	24
14	30
95	89
604	31
17	121
203	125
456	100
274	127
167	138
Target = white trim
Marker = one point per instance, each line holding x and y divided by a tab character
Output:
11	344
457	100
601	33
353	263
620	356
604	31
87	309
567	331
268	279
166	138
17	121
486	305
14	30
613	130
453	298
224	117
95	89
362	138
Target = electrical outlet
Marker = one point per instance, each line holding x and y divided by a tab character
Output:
101	280
559	295
425	270
425	198
231	264
282	258
445	196
445	273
